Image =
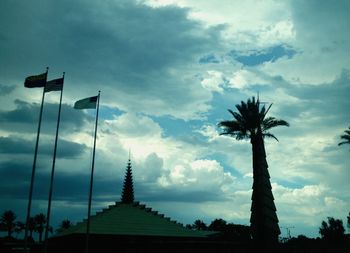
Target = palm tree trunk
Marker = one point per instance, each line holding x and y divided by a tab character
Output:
41	236
263	219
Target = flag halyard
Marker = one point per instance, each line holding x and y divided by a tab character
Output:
36	81
86	103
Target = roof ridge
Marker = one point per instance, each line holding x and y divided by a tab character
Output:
156	213
132	219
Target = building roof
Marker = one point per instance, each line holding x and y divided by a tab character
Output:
133	219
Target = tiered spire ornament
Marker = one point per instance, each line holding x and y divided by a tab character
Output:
128	188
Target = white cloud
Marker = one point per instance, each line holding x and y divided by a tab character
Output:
312	203
321	37
213	81
243	78
209	131
199	174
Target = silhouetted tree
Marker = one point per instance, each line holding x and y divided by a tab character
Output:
40	222
250	122
7	222
31	227
238	232
189	226
218	225
230	231
199	225
348	221
345	137
333	230
65	224
20	226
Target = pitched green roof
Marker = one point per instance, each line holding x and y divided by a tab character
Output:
133	219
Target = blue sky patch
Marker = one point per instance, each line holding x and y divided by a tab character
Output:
109	113
210	58
300	183
176	127
257	57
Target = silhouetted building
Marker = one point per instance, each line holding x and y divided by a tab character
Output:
129	226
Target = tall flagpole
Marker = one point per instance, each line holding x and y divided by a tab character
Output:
52	173
92	178
33	169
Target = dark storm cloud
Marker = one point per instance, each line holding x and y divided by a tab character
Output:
16	175
15	145
24	113
144	193
6	89
73	186
325	23
123	46
14	178
330	101
24	118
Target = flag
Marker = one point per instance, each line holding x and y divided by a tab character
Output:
35	81
54	85
86	103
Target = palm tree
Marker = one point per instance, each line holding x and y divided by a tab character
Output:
65	224
31	227
346	138
7	222
19	227
250	122
40	221
199	225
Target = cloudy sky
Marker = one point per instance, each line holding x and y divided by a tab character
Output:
168	71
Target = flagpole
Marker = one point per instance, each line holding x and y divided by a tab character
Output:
92	178
53	172
33	169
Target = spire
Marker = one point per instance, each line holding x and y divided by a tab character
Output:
128	188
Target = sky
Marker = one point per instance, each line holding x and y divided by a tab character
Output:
168	71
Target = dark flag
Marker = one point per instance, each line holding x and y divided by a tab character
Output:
54	85
86	103
35	81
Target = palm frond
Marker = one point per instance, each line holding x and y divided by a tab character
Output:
268	109
231	112
229	126
272	122
233	128
242	136
270	136
345	137
343	142
239	118
248	118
